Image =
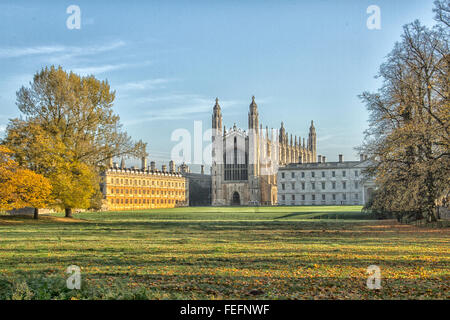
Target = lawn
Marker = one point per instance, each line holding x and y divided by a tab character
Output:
222	253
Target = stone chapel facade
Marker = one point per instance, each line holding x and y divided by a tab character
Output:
245	163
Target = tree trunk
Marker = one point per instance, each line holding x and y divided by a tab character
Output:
68	212
431	215
36	213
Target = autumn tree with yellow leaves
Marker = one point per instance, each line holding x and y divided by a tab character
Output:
21	187
68	132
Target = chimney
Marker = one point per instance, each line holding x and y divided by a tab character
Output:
143	163
153	166
361	157
122	164
341	158
365	157
171	166
164	168
323	159
202	169
319	158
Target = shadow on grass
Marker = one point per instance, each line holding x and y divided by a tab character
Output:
294	214
326	215
109	285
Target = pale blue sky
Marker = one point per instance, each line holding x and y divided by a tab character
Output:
168	61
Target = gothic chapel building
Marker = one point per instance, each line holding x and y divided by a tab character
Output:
245	163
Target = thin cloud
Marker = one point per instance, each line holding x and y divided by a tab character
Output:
149	84
20	52
326	137
173	98
66	51
193	105
98	69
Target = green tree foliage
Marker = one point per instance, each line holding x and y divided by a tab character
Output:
408	136
68	131
73	185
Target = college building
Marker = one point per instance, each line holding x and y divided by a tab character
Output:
325	183
142	188
245	163
199	185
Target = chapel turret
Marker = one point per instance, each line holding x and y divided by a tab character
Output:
217	116
312	140
253	116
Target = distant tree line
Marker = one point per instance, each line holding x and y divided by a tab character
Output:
408	138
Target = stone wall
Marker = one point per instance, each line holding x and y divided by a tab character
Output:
30	211
444	213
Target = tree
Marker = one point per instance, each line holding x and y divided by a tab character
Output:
442	12
73	186
408	136
68	119
20	187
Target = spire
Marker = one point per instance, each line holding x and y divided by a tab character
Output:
312	140
291	140
217	116
216	108
312	128
253	106
253	116
282	132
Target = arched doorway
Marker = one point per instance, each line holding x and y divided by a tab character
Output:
236	200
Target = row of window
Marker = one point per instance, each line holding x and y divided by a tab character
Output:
147	191
145	182
323	197
323	184
323	174
236	172
143	201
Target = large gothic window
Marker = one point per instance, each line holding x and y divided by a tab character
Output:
236	163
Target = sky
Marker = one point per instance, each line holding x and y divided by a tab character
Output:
169	60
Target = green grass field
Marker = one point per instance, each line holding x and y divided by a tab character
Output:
222	253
